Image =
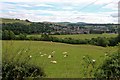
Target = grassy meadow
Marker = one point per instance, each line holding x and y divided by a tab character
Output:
66	67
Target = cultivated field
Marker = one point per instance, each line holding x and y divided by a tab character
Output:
70	66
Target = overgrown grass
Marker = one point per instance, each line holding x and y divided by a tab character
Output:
66	67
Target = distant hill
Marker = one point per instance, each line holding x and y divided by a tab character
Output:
7	20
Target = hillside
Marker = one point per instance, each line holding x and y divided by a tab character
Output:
8	20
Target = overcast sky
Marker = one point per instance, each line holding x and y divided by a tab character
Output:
90	11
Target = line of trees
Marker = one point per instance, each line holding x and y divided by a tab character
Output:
99	41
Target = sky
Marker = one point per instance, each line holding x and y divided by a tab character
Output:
89	11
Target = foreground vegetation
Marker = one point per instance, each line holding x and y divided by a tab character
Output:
66	67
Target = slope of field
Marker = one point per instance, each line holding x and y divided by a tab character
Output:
70	66
85	36
5	20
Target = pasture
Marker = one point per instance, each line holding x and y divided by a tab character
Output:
65	67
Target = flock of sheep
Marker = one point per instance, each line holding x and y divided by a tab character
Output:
50	56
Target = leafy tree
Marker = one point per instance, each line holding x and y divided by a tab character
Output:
5	35
45	37
8	35
11	35
102	41
22	36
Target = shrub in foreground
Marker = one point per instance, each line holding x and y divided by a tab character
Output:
16	71
110	67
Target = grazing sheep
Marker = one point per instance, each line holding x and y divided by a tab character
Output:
54	62
65	55
50	56
42	55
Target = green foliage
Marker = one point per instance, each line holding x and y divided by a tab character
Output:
8	35
0	34
17	71
22	36
89	65
110	67
33	28
14	67
45	37
118	38
113	41
102	41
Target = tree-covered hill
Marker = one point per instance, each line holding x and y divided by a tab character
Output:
8	20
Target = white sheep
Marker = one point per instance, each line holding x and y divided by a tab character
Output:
64	53
54	62
50	56
42	55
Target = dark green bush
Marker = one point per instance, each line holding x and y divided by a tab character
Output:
17	71
110	67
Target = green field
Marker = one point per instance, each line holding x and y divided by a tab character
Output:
70	66
85	36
